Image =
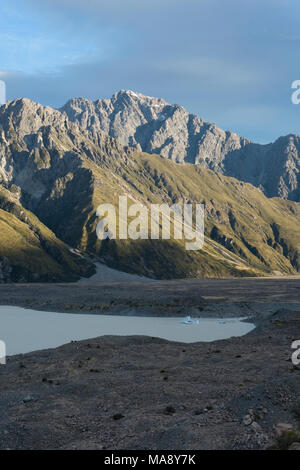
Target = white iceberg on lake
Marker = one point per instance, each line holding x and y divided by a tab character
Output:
189	321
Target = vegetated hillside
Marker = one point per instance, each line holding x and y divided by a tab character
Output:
29	251
154	126
261	232
62	172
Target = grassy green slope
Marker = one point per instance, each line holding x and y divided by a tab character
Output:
246	233
29	251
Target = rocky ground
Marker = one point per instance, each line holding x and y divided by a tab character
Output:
148	393
208	297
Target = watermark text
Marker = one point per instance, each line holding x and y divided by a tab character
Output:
296	354
2	353
140	222
2	92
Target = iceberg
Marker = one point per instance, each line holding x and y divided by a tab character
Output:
189	321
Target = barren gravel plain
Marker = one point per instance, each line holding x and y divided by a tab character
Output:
140	392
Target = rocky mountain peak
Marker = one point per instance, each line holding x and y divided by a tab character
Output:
155	126
28	117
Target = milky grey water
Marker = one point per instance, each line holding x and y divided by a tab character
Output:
25	330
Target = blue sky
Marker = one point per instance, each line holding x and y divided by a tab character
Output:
231	62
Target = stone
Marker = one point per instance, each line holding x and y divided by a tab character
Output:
169	410
256	427
118	416
247	420
295	446
28	399
283	427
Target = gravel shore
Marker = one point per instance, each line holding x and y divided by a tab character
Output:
139	392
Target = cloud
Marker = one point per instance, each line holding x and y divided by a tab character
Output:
221	60
218	71
112	5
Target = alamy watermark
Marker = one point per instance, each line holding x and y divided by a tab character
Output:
296	354
2	353
2	92
139	222
296	94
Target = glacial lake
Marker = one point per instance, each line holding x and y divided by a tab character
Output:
25	330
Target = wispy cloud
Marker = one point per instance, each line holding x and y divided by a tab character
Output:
231	62
216	70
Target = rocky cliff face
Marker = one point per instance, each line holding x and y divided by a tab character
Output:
35	152
154	126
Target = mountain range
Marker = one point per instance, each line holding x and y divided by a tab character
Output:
154	126
57	166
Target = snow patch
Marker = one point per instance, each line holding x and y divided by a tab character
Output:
104	273
132	93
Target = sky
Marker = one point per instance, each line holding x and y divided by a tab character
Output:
230	62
